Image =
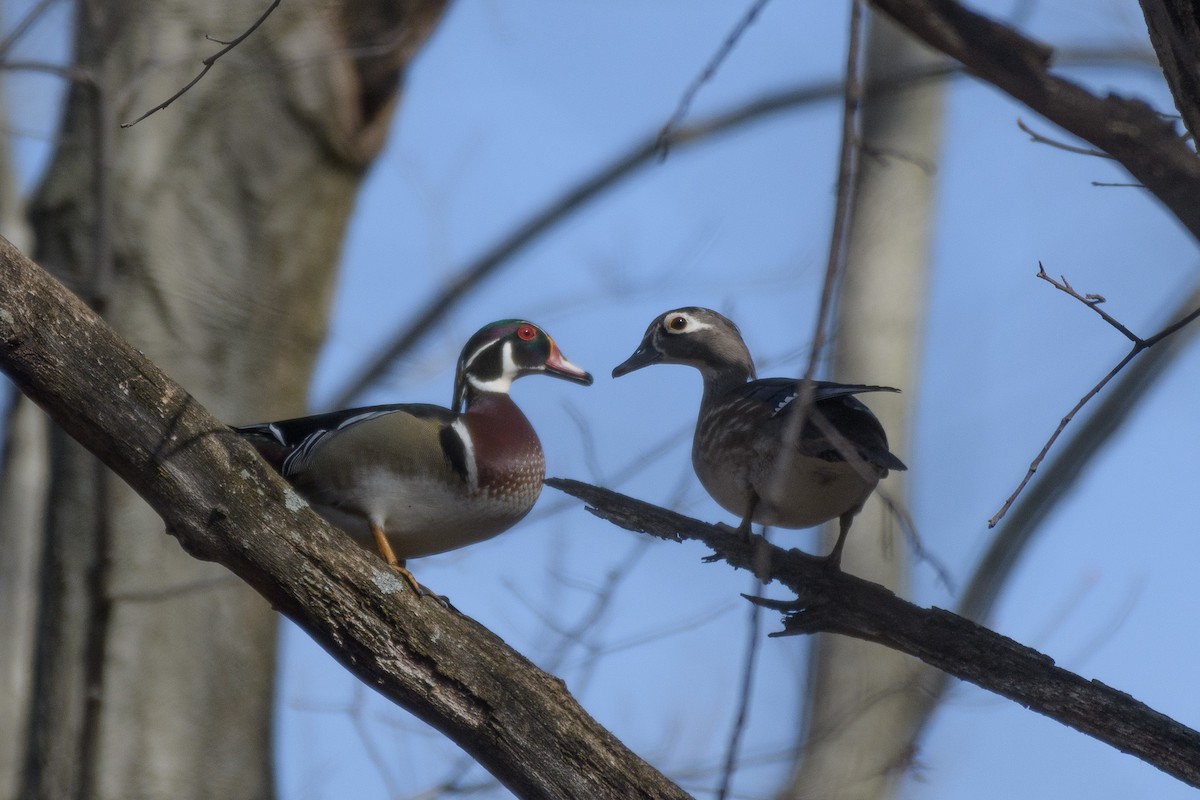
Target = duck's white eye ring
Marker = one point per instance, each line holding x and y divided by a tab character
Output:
677	323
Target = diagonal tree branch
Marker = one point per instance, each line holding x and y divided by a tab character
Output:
707	74
1133	133
223	504
591	187
835	602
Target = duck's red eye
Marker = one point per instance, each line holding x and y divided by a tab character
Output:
526	333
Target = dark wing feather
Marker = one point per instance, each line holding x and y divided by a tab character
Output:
837	404
285	441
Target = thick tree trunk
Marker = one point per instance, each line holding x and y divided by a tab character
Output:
207	234
860	695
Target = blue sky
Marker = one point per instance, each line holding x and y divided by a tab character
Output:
513	102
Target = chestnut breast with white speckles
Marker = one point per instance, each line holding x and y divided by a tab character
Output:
509	462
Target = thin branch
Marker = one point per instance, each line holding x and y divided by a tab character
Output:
1139	344
1062	425
1024	521
559	209
207	64
1092	301
710	70
642	154
849	152
1040	139
69	73
587	621
21	28
922	554
375	754
834	602
745	694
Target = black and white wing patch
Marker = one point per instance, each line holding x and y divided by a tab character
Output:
781	393
836	403
288	444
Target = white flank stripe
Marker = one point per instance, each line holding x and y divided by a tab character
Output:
468	451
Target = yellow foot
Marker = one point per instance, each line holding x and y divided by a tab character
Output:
385	550
420	590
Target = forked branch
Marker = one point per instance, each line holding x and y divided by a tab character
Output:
1093	302
208	63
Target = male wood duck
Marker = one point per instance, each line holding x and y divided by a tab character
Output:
420	479
739	450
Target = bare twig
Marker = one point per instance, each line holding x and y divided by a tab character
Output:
69	73
1139	344
21	28
1092	301
610	175
732	750
710	69
208	64
559	209
602	601
1040	139
919	551
358	722
1024	521
848	157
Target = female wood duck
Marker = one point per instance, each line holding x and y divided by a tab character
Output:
420	479
739	451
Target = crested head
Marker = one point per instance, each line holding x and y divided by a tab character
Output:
505	350
695	336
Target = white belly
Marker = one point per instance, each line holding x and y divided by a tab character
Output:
799	493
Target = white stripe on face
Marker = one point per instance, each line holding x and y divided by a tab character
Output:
508	372
692	326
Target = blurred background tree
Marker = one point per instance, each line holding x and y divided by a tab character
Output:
209	237
509	108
